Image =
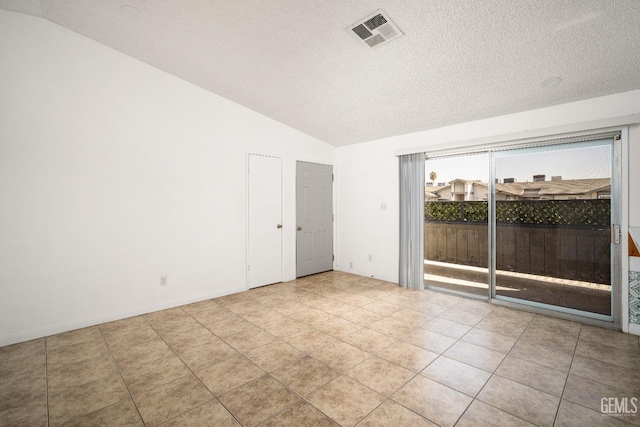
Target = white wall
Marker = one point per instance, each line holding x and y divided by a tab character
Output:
633	162
368	175
113	173
367	178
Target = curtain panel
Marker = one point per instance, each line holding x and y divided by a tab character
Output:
412	220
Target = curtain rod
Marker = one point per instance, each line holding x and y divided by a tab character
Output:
523	136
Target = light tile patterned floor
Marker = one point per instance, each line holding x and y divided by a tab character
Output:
328	349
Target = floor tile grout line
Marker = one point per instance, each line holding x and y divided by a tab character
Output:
510	355
373	355
493	373
213	396
120	373
300	399
452	388
487	403
497	375
278	338
500	409
327	415
265	373
342	339
405	407
339	372
474	325
199	380
196	319
567	378
304	398
102	377
199	406
46	376
526	385
155	360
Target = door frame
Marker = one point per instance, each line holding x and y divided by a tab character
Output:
620	185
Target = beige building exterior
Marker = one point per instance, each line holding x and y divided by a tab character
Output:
556	189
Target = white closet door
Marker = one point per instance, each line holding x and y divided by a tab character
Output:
265	220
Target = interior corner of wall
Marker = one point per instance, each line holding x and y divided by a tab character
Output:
634	329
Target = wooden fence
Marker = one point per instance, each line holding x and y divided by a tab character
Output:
562	252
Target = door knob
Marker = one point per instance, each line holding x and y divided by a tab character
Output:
299	228
279	226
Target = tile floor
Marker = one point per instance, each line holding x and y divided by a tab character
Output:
326	350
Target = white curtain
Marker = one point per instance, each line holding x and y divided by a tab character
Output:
412	221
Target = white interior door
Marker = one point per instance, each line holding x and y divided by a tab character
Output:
265	220
314	216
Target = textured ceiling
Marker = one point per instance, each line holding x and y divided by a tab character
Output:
295	61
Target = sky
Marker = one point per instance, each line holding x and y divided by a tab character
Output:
572	163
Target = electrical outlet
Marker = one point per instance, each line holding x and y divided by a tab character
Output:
163	280
370	257
351	265
383	206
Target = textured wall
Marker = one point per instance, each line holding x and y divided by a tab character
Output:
634	275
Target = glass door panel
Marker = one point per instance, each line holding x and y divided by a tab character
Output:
552	227
456	224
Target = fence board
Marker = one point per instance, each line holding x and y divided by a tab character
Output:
462	237
551	253
508	249
483	248
568	253
442	244
585	259
536	251
472	247
522	250
431	243
568	257
451	245
499	257
602	256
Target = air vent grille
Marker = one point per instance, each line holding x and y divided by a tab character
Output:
362	32
387	31
375	22
376	29
375	40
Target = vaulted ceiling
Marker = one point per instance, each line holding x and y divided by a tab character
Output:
297	61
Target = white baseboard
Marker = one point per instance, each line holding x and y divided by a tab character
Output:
634	329
65	327
364	274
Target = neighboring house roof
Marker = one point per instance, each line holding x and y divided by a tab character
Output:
466	181
537	189
439	189
554	188
514	189
434	189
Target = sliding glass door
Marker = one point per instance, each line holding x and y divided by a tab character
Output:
456	224
527	224
552	226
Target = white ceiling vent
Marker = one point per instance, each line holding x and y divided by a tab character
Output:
375	29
